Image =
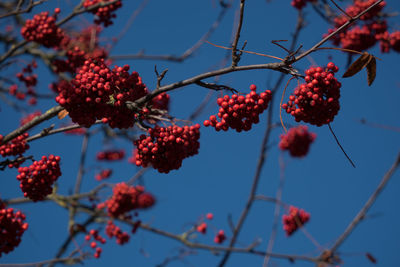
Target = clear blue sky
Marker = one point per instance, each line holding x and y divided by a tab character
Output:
218	179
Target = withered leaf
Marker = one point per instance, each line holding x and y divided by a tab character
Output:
358	65
61	115
371	71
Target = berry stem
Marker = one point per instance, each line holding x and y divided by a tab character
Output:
337	141
344	12
245	51
344	50
280	104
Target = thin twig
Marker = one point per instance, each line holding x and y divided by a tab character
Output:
337	141
188	52
277	211
361	214
81	170
235	55
35	121
344	12
18	9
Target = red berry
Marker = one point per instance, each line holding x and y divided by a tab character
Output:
202	228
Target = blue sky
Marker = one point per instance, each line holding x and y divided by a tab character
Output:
218	179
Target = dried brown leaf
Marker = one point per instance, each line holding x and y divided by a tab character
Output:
358	65
61	115
371	71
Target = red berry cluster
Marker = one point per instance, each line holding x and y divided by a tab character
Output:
297	140
239	112
299	4
17	147
95	234
389	41
220	237
165	148
114	231
372	28
12	226
100	93
202	228
43	29
111	155
79	47
124	199
104	14
13	90
104	174
30	117
29	80
316	101
295	219
36	180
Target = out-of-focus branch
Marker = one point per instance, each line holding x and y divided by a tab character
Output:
361	214
66	261
18	10
35	121
188	52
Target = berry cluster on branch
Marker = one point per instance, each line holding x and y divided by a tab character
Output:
294	219
12	227
114	231
239	112
96	236
316	101
104	14
369	30
220	237
43	29
98	92
166	147
297	140
15	147
79	47
29	80
126	198
36	181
